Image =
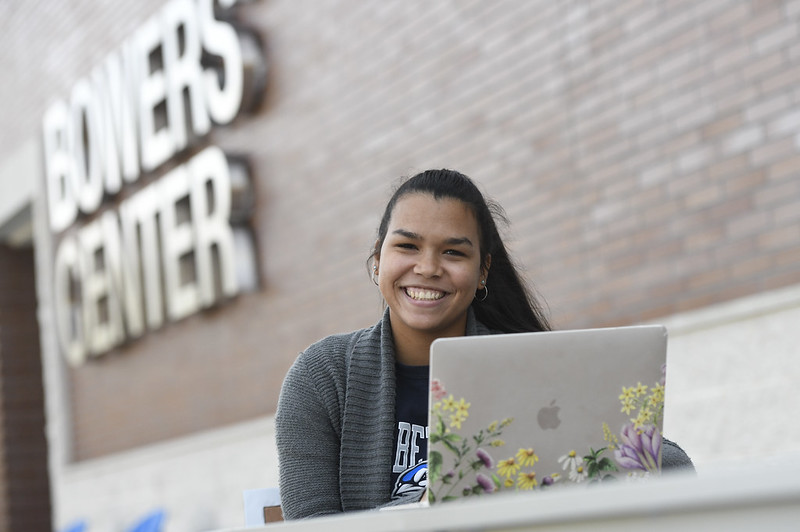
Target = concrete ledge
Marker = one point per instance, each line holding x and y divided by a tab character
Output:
736	498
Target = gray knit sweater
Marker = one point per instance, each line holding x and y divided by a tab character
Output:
336	419
335	423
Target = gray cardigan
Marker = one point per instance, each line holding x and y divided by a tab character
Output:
335	424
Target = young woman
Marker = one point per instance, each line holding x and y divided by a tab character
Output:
352	415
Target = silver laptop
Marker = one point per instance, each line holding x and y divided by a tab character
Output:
543	411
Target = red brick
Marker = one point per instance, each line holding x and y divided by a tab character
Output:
637	161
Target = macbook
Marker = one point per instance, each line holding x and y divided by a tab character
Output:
545	411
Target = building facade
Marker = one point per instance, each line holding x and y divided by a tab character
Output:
194	187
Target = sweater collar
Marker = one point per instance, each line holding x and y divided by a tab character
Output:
370	403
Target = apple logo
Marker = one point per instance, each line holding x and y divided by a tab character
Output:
548	416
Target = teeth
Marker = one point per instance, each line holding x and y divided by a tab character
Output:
424	295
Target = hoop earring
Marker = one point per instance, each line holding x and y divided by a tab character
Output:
374	273
485	292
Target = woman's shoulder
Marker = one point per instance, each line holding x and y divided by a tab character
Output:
320	372
335	349
674	457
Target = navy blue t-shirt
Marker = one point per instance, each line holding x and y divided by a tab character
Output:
410	465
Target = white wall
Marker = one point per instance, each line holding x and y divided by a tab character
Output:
198	481
732	379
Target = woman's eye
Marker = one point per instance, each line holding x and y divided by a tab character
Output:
454	252
406	245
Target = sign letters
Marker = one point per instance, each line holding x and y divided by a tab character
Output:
169	247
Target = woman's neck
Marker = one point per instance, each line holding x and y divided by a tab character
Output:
413	348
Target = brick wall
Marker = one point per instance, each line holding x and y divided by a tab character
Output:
646	153
25	501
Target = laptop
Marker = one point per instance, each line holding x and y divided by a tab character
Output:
544	411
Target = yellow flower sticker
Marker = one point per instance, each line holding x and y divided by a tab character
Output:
527	481
449	403
527	457
508	468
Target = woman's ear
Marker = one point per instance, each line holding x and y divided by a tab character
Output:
486	265
376	253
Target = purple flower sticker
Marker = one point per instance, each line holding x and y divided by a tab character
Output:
485	458
485	483
639	448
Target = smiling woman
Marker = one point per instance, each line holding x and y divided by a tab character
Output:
352	417
429	270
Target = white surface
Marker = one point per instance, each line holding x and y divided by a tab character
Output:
732	499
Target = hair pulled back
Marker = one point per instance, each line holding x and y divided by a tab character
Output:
509	306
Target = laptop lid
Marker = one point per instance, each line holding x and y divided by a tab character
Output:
538	411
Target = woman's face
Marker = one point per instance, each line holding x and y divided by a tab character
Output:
429	266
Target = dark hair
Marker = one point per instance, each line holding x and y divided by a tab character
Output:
509	306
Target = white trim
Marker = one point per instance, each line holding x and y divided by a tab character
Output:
732	311
19	179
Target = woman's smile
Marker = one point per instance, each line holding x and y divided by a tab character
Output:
424	294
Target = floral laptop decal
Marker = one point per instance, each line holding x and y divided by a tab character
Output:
542	411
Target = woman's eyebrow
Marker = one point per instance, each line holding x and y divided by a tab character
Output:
459	241
407	234
453	241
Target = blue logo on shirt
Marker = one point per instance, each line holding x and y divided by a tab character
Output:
413	479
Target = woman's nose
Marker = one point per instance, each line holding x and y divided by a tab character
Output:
428	265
